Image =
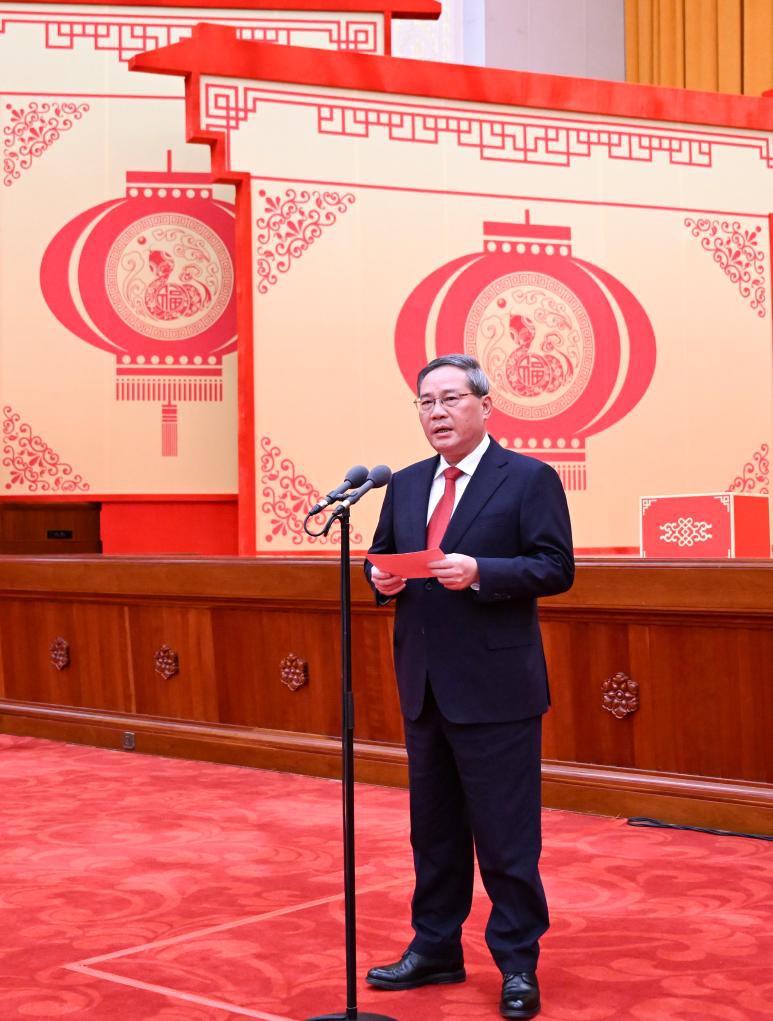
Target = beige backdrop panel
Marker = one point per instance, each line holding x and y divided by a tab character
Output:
74	122
661	208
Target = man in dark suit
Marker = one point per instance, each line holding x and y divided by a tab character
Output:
472	680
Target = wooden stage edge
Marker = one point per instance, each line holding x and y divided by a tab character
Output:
660	674
673	798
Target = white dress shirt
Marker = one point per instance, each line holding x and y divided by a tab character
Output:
467	465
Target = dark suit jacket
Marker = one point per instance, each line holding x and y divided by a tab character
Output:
482	651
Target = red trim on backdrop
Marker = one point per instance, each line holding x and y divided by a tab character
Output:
215	50
89	497
511	196
248	521
199	527
770	249
419	9
221	172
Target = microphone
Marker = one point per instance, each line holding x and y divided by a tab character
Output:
354	477
377	477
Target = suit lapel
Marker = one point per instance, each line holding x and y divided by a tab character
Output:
486	479
415	520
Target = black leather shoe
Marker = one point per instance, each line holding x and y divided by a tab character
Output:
413	970
520	994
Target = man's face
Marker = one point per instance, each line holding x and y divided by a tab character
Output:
453	432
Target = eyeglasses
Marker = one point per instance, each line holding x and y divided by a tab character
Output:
425	405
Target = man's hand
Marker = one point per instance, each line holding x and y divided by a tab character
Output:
456	571
385	583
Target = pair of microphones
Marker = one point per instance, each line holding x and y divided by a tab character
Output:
356	484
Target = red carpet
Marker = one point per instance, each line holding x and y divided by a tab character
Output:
154	889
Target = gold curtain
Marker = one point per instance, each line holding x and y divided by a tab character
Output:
713	45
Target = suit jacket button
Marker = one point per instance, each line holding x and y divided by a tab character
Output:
427	585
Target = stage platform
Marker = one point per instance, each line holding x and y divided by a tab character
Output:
660	674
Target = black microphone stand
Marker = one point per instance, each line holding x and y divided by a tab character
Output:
341	514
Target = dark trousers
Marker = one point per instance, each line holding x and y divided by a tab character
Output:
476	784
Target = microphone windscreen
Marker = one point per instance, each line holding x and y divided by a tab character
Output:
356	476
380	475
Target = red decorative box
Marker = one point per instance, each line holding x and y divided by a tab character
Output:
713	525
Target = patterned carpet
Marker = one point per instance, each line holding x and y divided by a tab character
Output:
153	889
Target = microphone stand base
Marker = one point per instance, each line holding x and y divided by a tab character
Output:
356	1016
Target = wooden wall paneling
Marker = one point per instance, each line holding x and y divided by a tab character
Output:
695	692
191	694
98	675
376	702
698	638
250	645
43	527
754	705
697	688
580	655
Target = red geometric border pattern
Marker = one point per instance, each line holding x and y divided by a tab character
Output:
734	249
32	463
34	129
755	473
291	224
129	36
288	497
511	138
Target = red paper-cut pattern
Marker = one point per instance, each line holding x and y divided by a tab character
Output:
568	349
288	496
736	250
127	36
149	278
755	475
32	463
290	225
513	138
34	129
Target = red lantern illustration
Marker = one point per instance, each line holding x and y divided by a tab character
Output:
568	349
149	278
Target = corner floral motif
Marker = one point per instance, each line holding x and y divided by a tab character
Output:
290	225
32	130
32	463
59	653
754	474
620	695
686	531
294	671
287	496
735	250
166	662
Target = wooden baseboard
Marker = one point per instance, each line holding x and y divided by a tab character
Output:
285	751
674	798
679	799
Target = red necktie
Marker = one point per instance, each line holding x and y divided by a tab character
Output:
441	515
